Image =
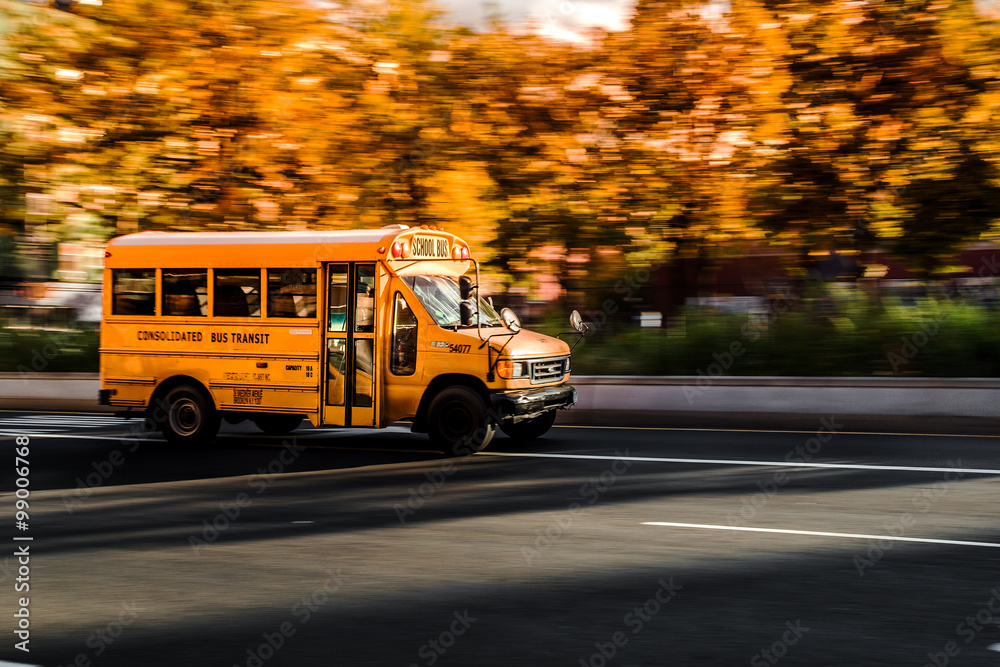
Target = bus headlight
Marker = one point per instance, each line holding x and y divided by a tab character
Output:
511	370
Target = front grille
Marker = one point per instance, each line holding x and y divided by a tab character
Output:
548	370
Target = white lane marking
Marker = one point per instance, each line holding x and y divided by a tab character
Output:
303	522
855	536
736	462
763	430
41	424
4	663
993	647
58	419
138	437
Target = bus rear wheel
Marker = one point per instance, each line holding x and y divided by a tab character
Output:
278	424
458	421
189	416
530	429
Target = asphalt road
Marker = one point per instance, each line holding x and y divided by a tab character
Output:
592	546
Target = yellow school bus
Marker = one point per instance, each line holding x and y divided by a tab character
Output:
358	328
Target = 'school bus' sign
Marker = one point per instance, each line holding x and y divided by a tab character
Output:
430	247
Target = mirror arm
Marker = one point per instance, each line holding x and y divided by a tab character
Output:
479	317
490	375
492	364
581	334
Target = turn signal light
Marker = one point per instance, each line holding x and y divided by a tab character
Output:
511	370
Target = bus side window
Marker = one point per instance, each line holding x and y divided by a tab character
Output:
291	293
403	357
133	291
364	314
237	293
337	303
185	292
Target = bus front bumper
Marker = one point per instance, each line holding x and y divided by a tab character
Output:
517	406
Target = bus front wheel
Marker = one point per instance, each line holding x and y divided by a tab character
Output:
189	416
530	428
458	421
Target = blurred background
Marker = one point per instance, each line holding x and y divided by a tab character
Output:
818	182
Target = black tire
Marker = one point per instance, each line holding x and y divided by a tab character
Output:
531	428
188	416
458	423
278	424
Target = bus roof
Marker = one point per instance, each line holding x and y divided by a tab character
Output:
278	249
254	238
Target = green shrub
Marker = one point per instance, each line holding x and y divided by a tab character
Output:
853	338
32	350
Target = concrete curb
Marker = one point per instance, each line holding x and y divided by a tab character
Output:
76	392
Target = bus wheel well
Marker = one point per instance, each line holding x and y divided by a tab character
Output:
156	412
443	382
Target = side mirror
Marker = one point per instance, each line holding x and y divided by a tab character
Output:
577	323
465	287
510	320
465	311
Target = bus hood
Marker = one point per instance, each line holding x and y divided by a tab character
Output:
523	345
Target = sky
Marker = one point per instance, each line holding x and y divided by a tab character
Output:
561	19
566	19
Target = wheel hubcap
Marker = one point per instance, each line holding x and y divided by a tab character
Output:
457	422
185	417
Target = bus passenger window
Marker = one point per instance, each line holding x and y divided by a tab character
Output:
237	293
291	293
403	359
337	303
185	292
133	291
364	314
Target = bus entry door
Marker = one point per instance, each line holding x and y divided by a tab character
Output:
351	376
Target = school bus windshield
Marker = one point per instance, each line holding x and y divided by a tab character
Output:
441	297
